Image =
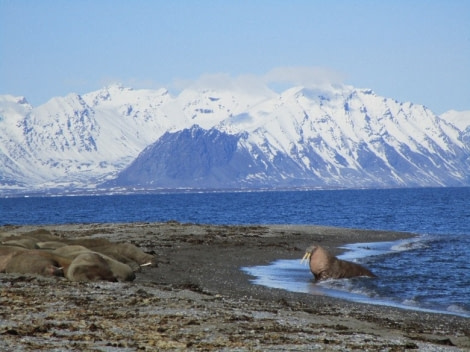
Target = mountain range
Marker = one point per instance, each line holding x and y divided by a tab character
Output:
118	139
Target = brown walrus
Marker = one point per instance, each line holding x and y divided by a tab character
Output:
86	266
121	271
126	251
24	242
50	245
325	265
6	253
39	235
36	262
50	254
88	242
89	266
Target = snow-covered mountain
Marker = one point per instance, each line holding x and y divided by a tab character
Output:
79	141
304	137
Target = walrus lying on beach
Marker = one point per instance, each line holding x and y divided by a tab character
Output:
121	271
6	253
36	235
27	261
24	242
127	253
81	259
325	265
84	266
89	266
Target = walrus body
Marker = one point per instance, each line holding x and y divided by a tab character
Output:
80	259
36	262
39	235
88	242
325	265
24	242
89	266
126	251
6	253
121	271
50	245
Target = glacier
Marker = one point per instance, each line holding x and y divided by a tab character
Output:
119	139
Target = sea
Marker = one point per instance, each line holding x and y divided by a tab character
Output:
429	272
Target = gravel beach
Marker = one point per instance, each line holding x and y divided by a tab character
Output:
197	298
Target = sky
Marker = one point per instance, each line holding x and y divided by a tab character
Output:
416	51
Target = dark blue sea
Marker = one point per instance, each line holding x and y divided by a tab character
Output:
430	272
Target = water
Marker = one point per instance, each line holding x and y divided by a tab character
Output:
432	272
410	276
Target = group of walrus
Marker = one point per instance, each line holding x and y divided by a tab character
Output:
92	259
85	259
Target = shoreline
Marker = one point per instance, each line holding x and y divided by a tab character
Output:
198	298
291	279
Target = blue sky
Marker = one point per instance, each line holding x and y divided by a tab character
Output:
415	51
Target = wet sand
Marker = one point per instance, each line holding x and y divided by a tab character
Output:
197	298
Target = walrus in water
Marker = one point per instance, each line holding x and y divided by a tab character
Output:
325	265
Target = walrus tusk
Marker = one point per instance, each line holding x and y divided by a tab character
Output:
306	257
146	264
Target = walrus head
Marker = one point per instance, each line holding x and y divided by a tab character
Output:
308	253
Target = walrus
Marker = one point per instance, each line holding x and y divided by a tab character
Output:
70	250
24	242
89	266
88	242
50	245
36	262
29	239
121	271
325	265
41	235
127	250
6	253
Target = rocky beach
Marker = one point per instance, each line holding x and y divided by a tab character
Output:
197	298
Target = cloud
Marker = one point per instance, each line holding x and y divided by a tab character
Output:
248	84
304	76
215	81
277	79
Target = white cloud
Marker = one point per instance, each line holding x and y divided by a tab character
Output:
278	79
207	81
460	119
304	76
219	81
